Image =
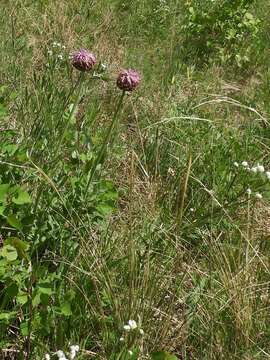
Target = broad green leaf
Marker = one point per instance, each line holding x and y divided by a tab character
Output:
22	297
10	148
7	315
2	209
12	290
9	252
24	328
36	300
14	222
162	355
3	266
45	288
3	192
22	198
66	309
3	111
20	245
104	209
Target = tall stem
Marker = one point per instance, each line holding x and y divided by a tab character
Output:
72	112
105	142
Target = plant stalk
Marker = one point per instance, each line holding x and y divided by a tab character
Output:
105	142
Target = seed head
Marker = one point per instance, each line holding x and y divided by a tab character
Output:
83	60
128	80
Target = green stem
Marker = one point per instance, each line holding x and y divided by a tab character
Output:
72	112
105	142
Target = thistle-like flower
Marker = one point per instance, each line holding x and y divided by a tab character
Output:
83	60
128	80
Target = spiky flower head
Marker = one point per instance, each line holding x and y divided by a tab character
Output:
128	80
83	60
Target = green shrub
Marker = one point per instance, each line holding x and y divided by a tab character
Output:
222	31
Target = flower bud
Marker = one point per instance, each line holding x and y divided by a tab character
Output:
83	60
128	80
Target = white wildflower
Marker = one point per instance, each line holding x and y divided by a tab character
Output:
76	347
254	169
61	355
73	351
249	191
236	164
50	52
47	357
103	67
60	57
121	339
141	331
171	171
130	352
132	324
258	196
245	164
267	175
127	327
260	168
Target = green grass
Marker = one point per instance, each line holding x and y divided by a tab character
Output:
152	223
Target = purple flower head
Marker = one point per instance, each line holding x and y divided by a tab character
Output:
83	60
128	80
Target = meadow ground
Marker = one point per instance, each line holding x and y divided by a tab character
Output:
135	225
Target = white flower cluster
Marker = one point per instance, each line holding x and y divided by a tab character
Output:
57	49
74	349
257	195
131	325
257	169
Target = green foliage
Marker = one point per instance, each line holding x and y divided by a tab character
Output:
225	31
162	355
